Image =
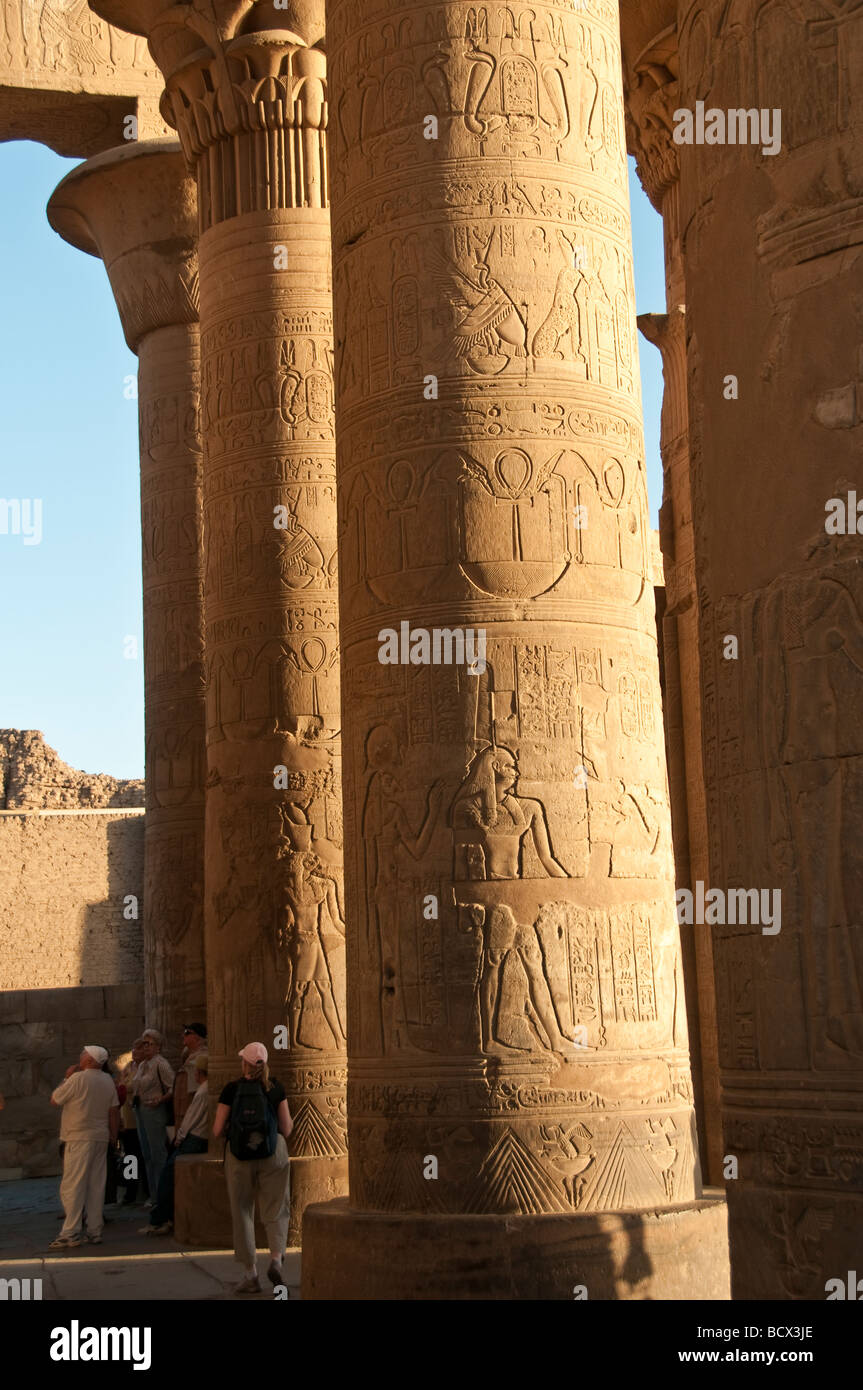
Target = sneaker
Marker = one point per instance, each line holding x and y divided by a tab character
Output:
94	1240
66	1243
250	1285
148	1206
274	1273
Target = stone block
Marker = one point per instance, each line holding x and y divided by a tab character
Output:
64	1005
13	1005
40	1156
672	1253
29	1115
16	1079
202	1212
314	1181
114	1034
125	1001
29	1042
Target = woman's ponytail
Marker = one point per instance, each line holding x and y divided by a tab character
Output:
261	1072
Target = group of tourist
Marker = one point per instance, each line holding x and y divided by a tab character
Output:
139	1107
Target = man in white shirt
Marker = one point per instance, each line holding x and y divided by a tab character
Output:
90	1121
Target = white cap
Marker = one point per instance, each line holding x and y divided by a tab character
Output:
97	1053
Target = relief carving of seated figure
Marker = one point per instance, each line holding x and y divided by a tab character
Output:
491	822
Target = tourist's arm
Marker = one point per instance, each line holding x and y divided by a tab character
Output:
195	1112
61	1093
222	1113
167	1087
283	1119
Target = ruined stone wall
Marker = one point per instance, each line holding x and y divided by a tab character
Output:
71	949
33	777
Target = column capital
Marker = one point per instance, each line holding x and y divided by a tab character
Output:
241	72
219	19
652	96
136	208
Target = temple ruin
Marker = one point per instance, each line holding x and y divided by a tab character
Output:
436	743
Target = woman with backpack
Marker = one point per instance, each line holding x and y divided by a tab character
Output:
253	1115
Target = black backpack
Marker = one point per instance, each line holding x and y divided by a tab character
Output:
252	1130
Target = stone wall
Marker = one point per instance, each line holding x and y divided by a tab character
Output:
71	951
71	871
66	881
42	1032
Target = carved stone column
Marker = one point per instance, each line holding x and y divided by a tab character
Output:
652	92
250	106
135	208
783	711
520	1101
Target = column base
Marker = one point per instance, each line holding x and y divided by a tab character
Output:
314	1180
671	1253
202	1212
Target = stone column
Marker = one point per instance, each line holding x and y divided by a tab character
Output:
520	1100
251	111
774	278
135	207
652	96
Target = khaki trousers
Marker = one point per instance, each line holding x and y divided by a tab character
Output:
268	1179
83	1185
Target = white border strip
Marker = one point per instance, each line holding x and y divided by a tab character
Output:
84	811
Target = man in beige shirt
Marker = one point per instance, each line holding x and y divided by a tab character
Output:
194	1044
152	1086
90	1121
191	1138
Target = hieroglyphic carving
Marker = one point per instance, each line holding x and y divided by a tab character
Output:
62	39
489	808
781	723
799	737
71	81
249	102
312	917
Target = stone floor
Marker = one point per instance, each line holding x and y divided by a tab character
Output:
126	1266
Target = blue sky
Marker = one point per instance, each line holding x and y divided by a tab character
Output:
69	436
